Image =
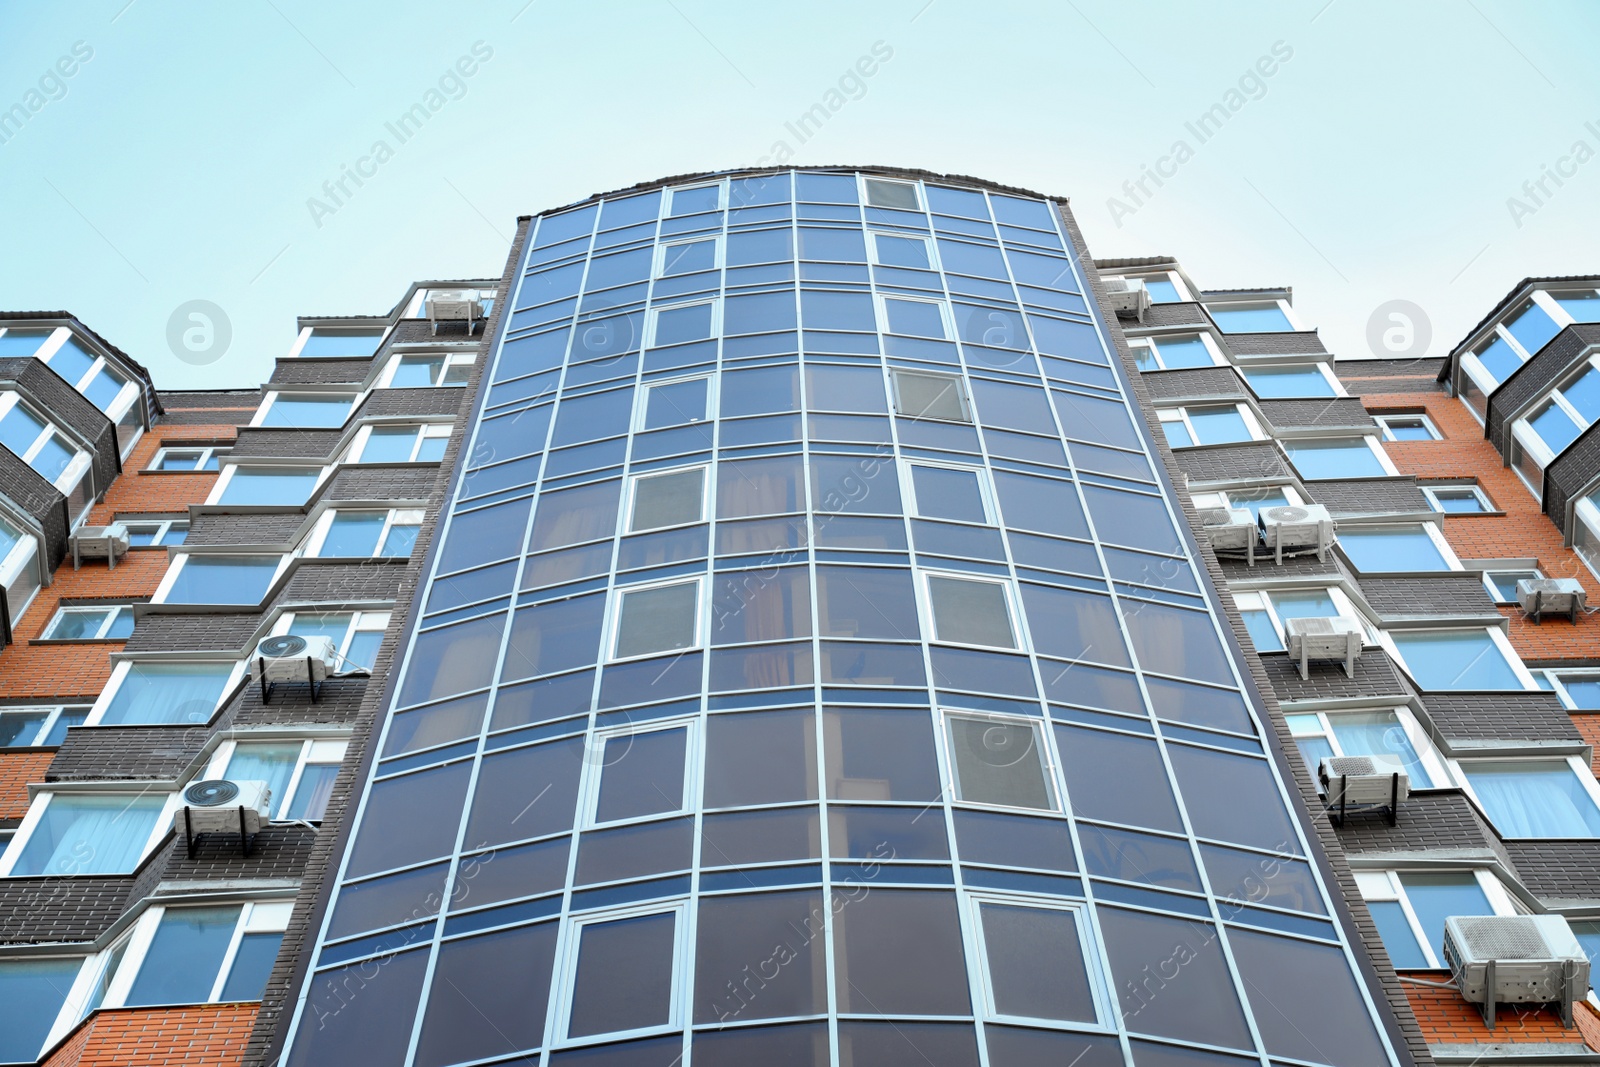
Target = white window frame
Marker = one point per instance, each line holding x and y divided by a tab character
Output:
76	469
572	943
207	454
1296	326
594	762
255	917
1383	422
642	407
927	243
1222	498
1473	489
1576	764
1496	635
181	559
1181	415
53	715
866	202
114	610
313	752
1248	367
451	360
41	801
881	304
360	622
1522	429
961	394
909	489
1385	886
658	265
1494	594
1430	527
633	495
392	517
71	1012
163	528
1094	964
1370	440
1047	760
1172	276
428	430
1437	767
1261	600
417	306
653	319
614	617
1557	676
119	672
672	194
229	471
306	331
272	398
1152	343
125	397
1008	591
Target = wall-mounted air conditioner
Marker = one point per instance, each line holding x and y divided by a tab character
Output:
1231	530
292	658
1128	297
1298	528
1368	783
1565	596
217	805
109	543
453	305
1322	638
1516	959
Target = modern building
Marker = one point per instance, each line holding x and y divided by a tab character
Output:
820	617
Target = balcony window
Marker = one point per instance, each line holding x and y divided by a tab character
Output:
1531	326
338	344
88	833
693	199
1337	457
429	370
1498	358
1265	316
1386	732
1582	304
623	973
682	323
33	991
184	459
911	317
1252	500
1502	585
1266	612
162	692
1164	288
1409	909
1408	428
1458	499
197	955
1386	549
1565	413
36	441
23	341
402	444
367	534
640	773
948	492
305	409
299	773
1038	963
19	568
151	533
675	403
41	726
1175	352
1550	798
1211	424
112	622
356	635
1472	658
219	579
1579	690
900	250
267	486
1306	380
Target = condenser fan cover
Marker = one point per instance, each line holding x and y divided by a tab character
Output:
210	794
282	645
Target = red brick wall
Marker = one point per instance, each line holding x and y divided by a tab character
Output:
17	769
206	1035
1448	1019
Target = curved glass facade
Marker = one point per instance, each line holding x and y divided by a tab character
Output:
812	671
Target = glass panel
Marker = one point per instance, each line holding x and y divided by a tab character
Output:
1378	549
1187	984
1534	799
998	761
760	957
311	795
1116	777
1365	733
1455	659
269	487
880	755
181	965
1532	327
353	533
1218	425
1273	382
489	996
866	602
668	499
1306	1002
252	966
929	396
1434	897
624	975
760	758
1334	459
167	692
1036	963
1250	318
949	493
270	763
658	619
898	952
31	995
641	774
307	411
970	612
341	343
1398	940
676	403
1554	427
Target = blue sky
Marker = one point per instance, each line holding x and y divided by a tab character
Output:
1375	163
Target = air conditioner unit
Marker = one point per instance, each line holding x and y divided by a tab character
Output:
1298	527
453	305
109	543
1327	637
1368	782
217	805
1539	595
292	658
1231	530
1128	297
1516	959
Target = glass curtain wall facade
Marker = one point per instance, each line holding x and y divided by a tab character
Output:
813	671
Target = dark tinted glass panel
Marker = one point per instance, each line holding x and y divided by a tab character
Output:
908	833
1117	778
1146	1054
970	612
760	957
361	1029
569	516
1136	857
760	392
388	901
1013	840
867	664
1278	881
1011	1046
949	493
527	792
668	546
1042	504
830	388
566	565
1018	407
1171	978
1131	519
507	873
676	403
765	757
899	952
998	761
760	605
541	701
1036	963
624	975
758	487
772	835
854	484
849	531
902	1044
760	246
410	819
488	996
1074	625
1095	420
866	602
635	851
801	1045
1176	641
184	956
1232	798
1306	1003
880	755
762	667
641	774
1221	709
586	418
845	245
554	637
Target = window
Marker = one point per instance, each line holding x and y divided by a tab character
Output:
36	441
1252	500
1410	547
1176	352
1265	316
1164	288
1578	690
367	534
900	250
356	635
184	459
85	833
695	198
1502	585
688	257
112	622
1586	529
427	370
1408	428
266	486
970	611
196	579
33	993
402	444
1037	961
956	494
1409	909
164	692
1341	457
639	772
41	726
196	955
674	403
299	773
622	972
1305	380
88	373
1471	658
1567	411
149	533
1211	424
911	317
657	618
681	323
324	343
1389	731
1000	760
884	193
930	396
288	409
1547	798
1531	326
1493	361
1265	612
672	498
1458	499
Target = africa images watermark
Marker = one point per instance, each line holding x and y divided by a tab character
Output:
1252	85
51	86
1536	192
451	85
